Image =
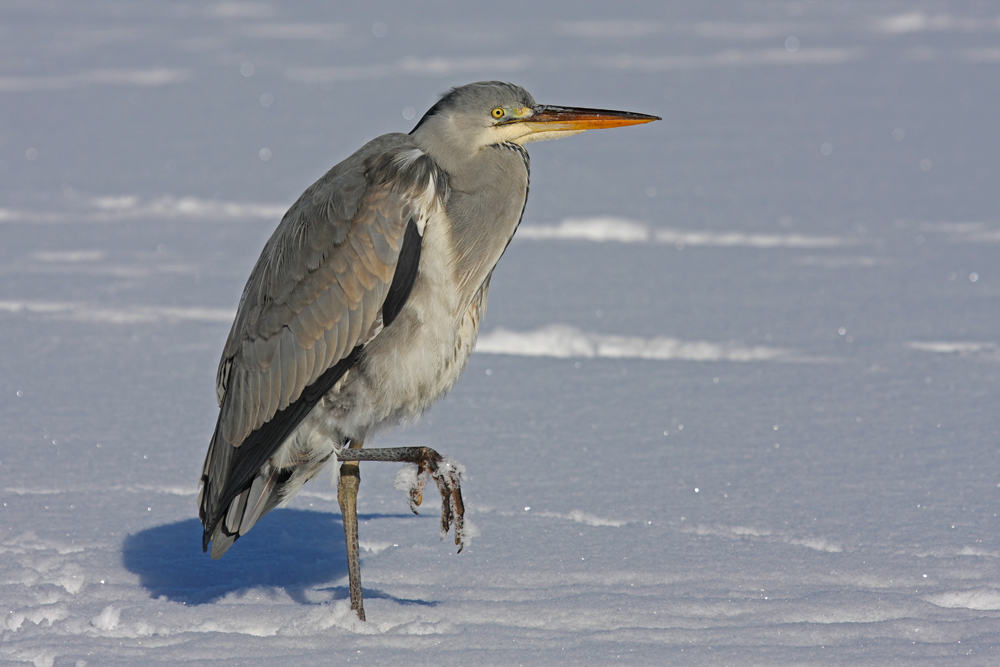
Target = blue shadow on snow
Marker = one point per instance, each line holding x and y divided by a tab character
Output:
295	550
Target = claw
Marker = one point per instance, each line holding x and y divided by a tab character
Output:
448	477
417	490
449	480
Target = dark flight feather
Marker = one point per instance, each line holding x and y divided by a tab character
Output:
405	276
261	444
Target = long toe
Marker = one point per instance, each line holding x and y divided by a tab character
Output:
448	476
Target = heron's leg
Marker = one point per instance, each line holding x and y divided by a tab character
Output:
429	464
347	496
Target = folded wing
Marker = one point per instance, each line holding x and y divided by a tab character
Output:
316	296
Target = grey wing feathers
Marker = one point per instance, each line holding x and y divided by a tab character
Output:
319	284
314	297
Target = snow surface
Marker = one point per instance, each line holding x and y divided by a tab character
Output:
736	398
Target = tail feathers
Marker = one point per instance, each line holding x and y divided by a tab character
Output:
244	510
226	520
221	542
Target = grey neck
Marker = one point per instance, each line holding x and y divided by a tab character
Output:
488	195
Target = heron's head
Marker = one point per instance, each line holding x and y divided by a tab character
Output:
472	117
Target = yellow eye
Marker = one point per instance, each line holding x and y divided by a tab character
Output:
497	113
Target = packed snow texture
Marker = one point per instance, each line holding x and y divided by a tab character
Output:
735	399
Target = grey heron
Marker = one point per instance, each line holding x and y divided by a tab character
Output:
365	305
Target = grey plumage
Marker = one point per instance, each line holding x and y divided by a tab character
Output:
314	295
366	301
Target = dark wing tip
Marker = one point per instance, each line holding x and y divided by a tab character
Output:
405	275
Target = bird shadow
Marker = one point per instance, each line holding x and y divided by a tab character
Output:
290	549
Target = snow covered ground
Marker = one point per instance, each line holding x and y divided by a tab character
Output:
736	397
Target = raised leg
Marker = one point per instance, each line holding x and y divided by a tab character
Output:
347	496
446	475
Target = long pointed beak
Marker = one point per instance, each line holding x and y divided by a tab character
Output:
575	119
